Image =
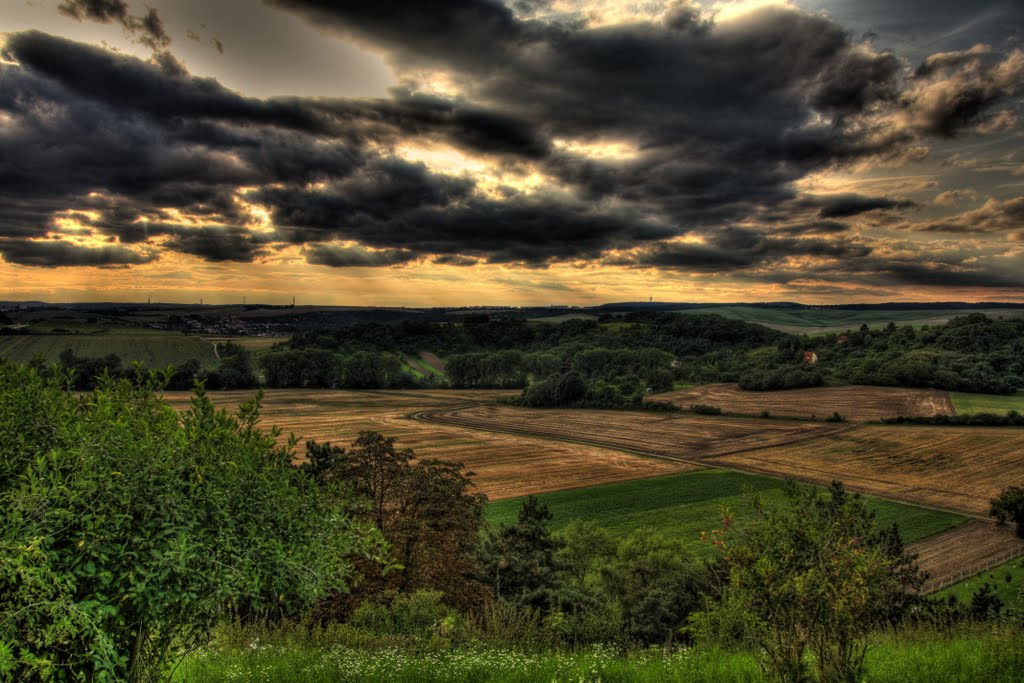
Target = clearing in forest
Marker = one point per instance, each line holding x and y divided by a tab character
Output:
855	403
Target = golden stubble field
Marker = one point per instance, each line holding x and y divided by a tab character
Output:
855	403
506	465
671	435
954	468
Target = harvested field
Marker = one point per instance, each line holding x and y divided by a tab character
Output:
505	466
250	343
855	403
685	437
953	468
964	551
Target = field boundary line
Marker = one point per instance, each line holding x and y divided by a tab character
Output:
971	571
430	415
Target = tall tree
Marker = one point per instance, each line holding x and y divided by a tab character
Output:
520	561
425	509
1009	506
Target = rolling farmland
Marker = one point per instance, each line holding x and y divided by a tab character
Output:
506	466
951	468
855	403
964	551
823	320
681	437
954	468
156	350
684	505
581	460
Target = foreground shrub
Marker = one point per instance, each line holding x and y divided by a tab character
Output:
815	577
130	529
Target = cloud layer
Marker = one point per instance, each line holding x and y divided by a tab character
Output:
674	143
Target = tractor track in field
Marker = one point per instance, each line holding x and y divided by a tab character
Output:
442	415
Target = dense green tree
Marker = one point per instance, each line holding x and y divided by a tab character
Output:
520	561
425	509
129	529
1009	506
657	584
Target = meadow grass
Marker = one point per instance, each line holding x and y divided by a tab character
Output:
975	654
967	404
156	350
1007	580
683	505
818	321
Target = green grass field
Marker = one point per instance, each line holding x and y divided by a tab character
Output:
156	350
1007	580
817	321
684	505
964	656
966	404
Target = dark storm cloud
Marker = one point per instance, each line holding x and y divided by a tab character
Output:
60	253
147	29
718	122
739	248
352	257
129	84
848	205
411	114
216	244
400	206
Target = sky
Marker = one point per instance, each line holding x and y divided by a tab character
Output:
525	152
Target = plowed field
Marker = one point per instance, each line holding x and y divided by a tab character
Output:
858	404
505	465
954	468
685	437
964	551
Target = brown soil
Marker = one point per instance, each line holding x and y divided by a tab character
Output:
681	437
855	403
506	466
953	468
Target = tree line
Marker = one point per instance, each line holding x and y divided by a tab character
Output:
615	361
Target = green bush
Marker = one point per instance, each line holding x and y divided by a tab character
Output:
129	529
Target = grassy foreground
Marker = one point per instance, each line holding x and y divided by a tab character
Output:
683	505
1007	580
976	655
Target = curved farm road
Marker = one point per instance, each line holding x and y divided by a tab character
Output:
948	557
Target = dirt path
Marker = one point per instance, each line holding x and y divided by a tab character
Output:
215	345
960	553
